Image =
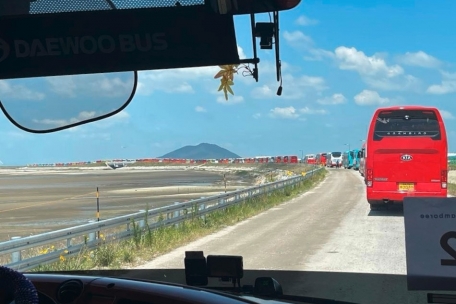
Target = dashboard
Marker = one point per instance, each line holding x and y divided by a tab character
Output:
66	289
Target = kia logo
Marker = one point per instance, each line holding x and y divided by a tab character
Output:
406	157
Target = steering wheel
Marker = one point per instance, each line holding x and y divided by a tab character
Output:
16	283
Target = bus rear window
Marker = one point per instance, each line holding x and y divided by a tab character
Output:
336	154
407	123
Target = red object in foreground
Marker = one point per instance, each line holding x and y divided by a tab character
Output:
406	154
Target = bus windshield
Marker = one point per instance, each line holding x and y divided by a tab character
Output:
407	123
336	154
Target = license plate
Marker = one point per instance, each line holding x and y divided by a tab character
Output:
406	186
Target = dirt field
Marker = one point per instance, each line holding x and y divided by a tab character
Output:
37	200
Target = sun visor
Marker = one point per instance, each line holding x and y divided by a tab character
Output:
85	37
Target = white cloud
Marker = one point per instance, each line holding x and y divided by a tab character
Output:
84	115
107	85
297	87
304	21
420	59
446	114
318	54
64	85
263	92
291	113
113	87
54	122
231	99
256	115
337	98
307	110
286	113
448	84
367	97
200	109
316	83
293	87
9	90
123	117
180	80
402	83
241	53
172	80
78	129
374	70
92	130
297	39
269	68
352	59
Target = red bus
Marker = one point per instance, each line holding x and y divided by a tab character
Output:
406	154
310	159
321	159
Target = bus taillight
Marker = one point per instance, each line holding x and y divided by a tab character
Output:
369	177
444	178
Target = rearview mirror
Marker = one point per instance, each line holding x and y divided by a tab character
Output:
50	104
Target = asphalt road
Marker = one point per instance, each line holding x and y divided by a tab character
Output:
325	243
36	202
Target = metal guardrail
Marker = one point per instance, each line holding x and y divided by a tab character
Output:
86	235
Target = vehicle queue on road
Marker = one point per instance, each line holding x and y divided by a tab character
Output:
405	154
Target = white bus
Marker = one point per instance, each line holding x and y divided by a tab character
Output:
332	158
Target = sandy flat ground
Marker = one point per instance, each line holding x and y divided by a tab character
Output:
34	201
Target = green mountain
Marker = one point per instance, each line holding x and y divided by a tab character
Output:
201	151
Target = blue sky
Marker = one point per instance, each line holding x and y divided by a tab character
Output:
341	60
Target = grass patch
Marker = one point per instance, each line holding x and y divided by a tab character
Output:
452	189
147	244
242	173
